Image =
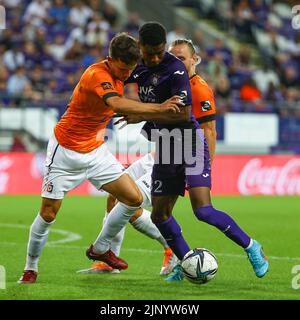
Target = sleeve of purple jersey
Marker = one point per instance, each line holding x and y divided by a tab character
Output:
180	84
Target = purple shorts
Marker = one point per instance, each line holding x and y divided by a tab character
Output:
203	179
168	180
172	179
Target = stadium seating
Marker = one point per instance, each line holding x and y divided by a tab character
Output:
272	39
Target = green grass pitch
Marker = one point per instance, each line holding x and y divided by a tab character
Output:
274	221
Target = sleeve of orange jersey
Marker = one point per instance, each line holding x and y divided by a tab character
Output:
103	85
203	103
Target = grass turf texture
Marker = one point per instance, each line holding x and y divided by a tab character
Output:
274	221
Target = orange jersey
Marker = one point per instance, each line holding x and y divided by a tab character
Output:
203	102
82	127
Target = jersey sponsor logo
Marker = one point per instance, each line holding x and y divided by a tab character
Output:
205	105
148	91
106	85
179	72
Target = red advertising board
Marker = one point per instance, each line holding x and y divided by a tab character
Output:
256	175
22	173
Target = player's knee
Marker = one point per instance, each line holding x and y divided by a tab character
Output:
134	200
48	212
48	215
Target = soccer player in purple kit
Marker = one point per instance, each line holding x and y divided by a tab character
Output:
160	76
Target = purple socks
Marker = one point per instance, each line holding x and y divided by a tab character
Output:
224	223
171	231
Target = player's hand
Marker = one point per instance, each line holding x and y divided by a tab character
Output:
172	105
129	119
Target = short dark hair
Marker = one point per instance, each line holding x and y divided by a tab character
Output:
152	33
125	48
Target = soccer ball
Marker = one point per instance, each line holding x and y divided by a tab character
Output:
199	265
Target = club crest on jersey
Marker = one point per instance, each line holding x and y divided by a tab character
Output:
49	187
155	78
205	105
106	85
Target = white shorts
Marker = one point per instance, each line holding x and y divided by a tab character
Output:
66	169
140	171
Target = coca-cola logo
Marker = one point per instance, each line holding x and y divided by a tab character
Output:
256	178
5	164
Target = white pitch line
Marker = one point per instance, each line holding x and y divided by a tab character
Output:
231	255
69	236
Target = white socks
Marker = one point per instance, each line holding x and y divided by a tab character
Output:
38	236
116	242
145	225
115	221
142	224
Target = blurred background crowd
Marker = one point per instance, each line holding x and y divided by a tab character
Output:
46	45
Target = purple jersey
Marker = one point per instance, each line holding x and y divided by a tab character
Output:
159	83
155	85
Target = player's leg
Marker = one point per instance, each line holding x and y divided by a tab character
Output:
136	170
161	216
56	183
204	211
118	239
116	243
108	174
130	199
199	190
168	182
102	267
111	201
170	229
38	236
125	209
142	222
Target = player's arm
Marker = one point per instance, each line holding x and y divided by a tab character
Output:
179	86
103	86
203	98
210	133
165	118
126	106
